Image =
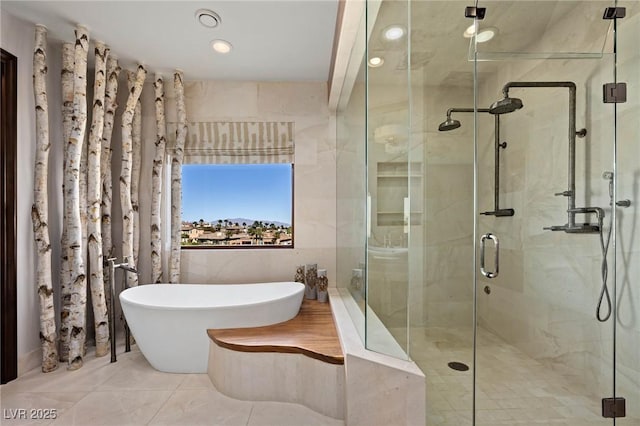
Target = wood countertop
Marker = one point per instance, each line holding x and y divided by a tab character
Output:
311	333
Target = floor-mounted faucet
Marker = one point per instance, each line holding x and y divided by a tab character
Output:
127	268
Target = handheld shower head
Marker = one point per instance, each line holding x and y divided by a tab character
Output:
505	106
449	124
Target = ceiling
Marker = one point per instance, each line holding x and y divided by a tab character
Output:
534	29
272	40
292	40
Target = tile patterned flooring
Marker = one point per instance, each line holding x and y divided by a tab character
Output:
514	389
131	392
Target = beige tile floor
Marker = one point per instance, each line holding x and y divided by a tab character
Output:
131	392
513	388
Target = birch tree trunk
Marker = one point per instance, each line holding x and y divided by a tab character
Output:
125	174
39	211
65	268
110	104
77	320
83	197
176	179
156	182
94	229
135	169
83	212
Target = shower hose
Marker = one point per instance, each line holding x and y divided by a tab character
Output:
604	246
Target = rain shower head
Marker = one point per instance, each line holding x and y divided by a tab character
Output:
505	106
448	124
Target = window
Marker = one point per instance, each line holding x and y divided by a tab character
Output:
237	205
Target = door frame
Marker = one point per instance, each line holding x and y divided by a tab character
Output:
8	251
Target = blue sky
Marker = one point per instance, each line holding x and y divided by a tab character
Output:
225	191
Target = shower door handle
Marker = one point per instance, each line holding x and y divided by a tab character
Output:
483	239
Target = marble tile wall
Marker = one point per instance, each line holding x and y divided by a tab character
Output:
281	377
314	180
379	389
448	281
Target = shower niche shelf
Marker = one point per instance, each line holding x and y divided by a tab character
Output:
395	182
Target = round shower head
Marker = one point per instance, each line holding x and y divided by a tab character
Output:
449	124
506	105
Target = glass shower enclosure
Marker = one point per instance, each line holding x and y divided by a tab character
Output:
489	173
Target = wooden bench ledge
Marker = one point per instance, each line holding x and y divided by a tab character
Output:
311	333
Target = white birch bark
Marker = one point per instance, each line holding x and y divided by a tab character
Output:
135	169
83	214
156	182
83	197
110	104
65	268
176	179
125	174
77	320
39	211
94	228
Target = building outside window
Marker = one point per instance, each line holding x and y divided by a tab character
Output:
237	205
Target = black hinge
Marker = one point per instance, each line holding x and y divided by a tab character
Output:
614	93
613	408
614	12
475	12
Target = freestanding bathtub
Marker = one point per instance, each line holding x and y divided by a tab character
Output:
170	321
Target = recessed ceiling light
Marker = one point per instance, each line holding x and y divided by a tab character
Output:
208	18
393	32
486	34
483	35
221	46
470	31
376	61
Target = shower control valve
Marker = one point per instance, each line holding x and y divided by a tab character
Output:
564	194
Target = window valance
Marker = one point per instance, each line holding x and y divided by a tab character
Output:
236	142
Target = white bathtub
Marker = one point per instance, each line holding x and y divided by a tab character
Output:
170	321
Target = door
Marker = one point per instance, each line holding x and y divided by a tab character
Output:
547	235
9	325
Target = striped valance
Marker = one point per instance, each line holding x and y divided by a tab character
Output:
236	142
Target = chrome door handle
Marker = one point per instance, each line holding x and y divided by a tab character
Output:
483	239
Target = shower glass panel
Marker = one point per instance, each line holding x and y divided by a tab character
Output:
351	191
627	236
488	205
530	29
545	332
441	340
394	178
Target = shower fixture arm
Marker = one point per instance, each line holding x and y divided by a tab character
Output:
570	193
452	110
497	211
529	84
450	124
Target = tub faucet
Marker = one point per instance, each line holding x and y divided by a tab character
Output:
126	267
